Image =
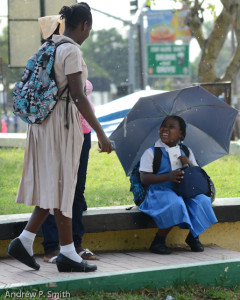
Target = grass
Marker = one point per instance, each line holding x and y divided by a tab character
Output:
106	183
178	292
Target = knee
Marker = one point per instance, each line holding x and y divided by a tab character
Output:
203	199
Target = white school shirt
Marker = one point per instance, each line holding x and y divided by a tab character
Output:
146	162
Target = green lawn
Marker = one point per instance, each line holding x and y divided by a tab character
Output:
106	181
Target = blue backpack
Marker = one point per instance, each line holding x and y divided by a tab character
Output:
36	95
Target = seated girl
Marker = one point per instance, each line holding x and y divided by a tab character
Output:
161	202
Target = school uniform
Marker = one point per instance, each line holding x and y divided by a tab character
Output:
52	152
167	208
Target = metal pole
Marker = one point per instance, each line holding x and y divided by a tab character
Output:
42	8
131	60
144	52
140	57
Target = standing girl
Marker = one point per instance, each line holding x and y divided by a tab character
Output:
52	151
161	202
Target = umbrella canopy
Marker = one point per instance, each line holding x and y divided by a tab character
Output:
111	114
209	125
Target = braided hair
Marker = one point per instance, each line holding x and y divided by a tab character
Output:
181	122
76	14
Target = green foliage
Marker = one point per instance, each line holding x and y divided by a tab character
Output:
225	175
106	55
106	184
11	162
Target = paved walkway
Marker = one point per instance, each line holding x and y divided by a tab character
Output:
14	273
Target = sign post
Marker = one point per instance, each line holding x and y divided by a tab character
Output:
168	60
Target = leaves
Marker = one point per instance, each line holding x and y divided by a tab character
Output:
106	55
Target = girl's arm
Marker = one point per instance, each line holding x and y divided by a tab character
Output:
185	160
150	178
83	105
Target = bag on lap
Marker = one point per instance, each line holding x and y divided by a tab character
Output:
196	181
36	95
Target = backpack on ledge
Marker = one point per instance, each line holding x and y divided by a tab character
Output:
36	95
139	189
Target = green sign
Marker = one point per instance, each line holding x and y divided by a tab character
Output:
168	60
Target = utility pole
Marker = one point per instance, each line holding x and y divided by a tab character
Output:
42	8
138	21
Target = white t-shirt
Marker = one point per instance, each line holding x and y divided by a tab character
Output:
146	162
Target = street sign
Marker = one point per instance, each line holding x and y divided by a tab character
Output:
168	60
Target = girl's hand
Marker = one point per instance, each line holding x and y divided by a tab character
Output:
176	175
104	143
184	160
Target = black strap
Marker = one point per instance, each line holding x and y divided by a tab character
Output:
157	159
185	149
66	87
67	103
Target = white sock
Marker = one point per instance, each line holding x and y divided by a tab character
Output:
70	252
27	239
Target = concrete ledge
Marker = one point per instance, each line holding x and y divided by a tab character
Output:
118	228
17	140
117	218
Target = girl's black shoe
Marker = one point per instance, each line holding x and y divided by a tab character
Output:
65	264
194	243
158	246
18	251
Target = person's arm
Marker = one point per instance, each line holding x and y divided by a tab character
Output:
191	161
150	178
185	160
83	105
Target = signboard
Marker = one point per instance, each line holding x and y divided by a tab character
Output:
167	26
24	32
168	60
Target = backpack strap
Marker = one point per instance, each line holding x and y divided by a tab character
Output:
157	159
66	87
185	150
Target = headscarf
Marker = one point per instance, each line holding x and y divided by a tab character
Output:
49	24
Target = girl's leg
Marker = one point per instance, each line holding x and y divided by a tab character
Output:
38	216
163	232
29	233
21	247
68	260
158	244
64	226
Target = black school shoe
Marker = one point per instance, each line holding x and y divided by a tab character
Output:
194	243
65	264
17	250
158	246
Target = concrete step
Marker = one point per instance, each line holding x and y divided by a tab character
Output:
125	270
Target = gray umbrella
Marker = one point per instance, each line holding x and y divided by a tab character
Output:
209	125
